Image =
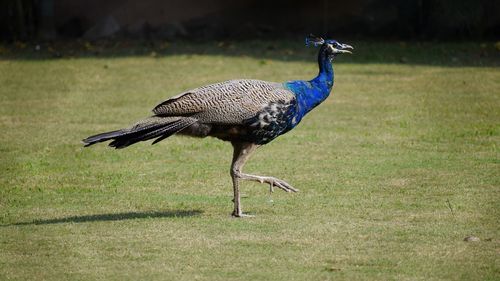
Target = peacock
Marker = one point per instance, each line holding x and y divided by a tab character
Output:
247	113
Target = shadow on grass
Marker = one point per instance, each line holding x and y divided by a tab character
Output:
112	217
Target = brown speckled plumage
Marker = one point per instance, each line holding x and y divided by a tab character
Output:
219	110
229	102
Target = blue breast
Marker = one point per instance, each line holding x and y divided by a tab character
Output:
280	117
285	115
309	94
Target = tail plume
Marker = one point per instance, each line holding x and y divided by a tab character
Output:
149	128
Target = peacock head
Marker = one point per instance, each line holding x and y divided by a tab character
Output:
329	47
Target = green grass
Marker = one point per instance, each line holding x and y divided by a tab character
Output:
395	168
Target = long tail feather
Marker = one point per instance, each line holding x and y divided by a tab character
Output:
150	128
101	137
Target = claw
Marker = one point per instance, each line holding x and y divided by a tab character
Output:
281	184
272	181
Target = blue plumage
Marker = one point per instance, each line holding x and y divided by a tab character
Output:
248	113
311	93
307	95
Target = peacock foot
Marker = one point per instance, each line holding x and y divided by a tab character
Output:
241	215
274	182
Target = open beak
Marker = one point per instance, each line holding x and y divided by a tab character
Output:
344	49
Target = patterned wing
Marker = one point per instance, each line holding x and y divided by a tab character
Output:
230	102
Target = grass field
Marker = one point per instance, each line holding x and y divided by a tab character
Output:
395	168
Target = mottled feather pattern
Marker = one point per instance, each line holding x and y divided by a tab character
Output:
229	102
265	108
262	107
150	122
273	120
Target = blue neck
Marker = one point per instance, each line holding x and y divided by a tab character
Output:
311	93
324	80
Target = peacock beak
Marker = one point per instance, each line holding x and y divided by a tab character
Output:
344	47
341	49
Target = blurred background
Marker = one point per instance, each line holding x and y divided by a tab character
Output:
248	19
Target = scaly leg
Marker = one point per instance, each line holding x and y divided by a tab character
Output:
242	152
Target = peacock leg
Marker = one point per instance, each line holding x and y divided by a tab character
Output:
242	152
